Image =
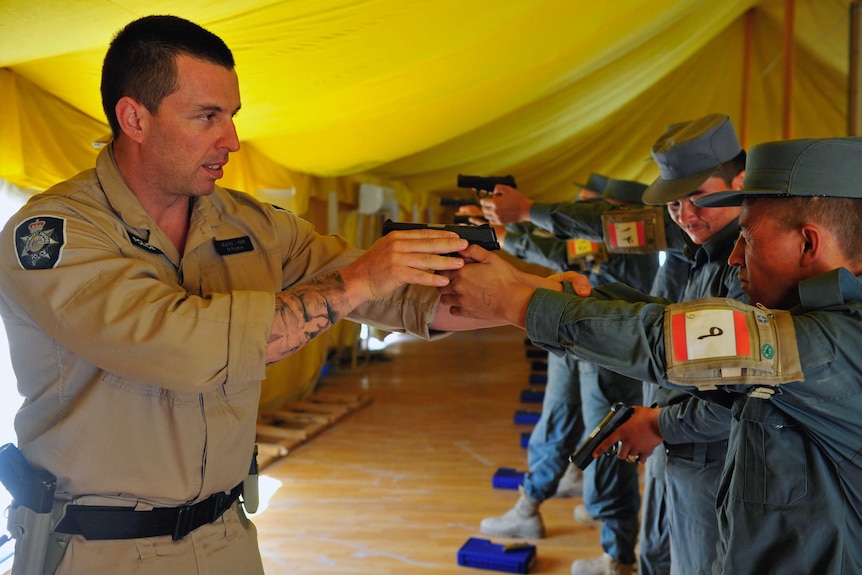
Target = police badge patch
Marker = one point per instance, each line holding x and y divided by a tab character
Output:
39	242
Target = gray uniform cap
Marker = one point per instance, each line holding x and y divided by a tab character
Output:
625	191
808	167
688	153
596	183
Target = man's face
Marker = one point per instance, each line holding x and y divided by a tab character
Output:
586	194
187	141
767	257
702	223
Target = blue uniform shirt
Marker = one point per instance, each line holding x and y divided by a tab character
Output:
790	498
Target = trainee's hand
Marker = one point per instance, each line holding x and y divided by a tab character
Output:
472	212
506	205
637	437
487	288
580	282
400	258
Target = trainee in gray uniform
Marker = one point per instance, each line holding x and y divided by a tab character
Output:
611	492
695	158
787	368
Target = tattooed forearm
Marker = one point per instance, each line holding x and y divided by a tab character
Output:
304	312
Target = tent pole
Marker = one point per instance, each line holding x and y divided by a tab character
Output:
786	124
854	128
748	41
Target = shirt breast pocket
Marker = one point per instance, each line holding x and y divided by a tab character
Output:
245	271
771	457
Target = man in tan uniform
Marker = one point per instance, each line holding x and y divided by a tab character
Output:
143	303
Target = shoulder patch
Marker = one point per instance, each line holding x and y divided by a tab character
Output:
716	341
634	229
585	255
39	242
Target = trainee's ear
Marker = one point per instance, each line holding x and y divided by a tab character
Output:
129	115
812	243
736	184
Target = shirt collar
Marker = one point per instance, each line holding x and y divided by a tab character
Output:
716	248
127	205
834	288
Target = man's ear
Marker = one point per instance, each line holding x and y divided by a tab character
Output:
130	115
811	246
736	184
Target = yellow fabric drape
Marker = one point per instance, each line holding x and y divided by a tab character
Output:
409	93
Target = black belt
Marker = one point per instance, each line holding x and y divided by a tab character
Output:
703	452
97	522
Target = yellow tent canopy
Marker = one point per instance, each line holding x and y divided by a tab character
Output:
412	92
409	93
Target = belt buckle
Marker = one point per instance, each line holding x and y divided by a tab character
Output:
183	525
220	505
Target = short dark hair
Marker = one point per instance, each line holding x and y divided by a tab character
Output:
842	216
731	168
141	61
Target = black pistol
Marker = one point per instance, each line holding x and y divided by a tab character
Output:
483	236
619	414
458	202
484	185
29	516
29	487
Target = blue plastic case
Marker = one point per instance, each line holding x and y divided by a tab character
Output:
507	478
532	396
483	554
527	417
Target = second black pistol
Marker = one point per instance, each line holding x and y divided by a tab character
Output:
483	235
619	414
484	185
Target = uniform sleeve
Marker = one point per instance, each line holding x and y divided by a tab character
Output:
571	219
308	254
549	252
621	336
694	420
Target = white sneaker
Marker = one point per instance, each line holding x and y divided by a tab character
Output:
604	565
583	516
523	520
571	483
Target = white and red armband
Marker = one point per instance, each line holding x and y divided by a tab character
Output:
715	341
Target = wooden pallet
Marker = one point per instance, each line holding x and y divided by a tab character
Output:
281	430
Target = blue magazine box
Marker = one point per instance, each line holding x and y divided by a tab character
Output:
527	417
481	553
538	379
507	478
532	396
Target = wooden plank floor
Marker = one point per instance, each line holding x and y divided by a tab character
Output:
399	485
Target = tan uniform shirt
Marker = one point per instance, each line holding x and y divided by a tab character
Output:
141	367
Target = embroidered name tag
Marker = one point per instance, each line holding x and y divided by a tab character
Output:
39	242
634	230
138	242
233	246
717	341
